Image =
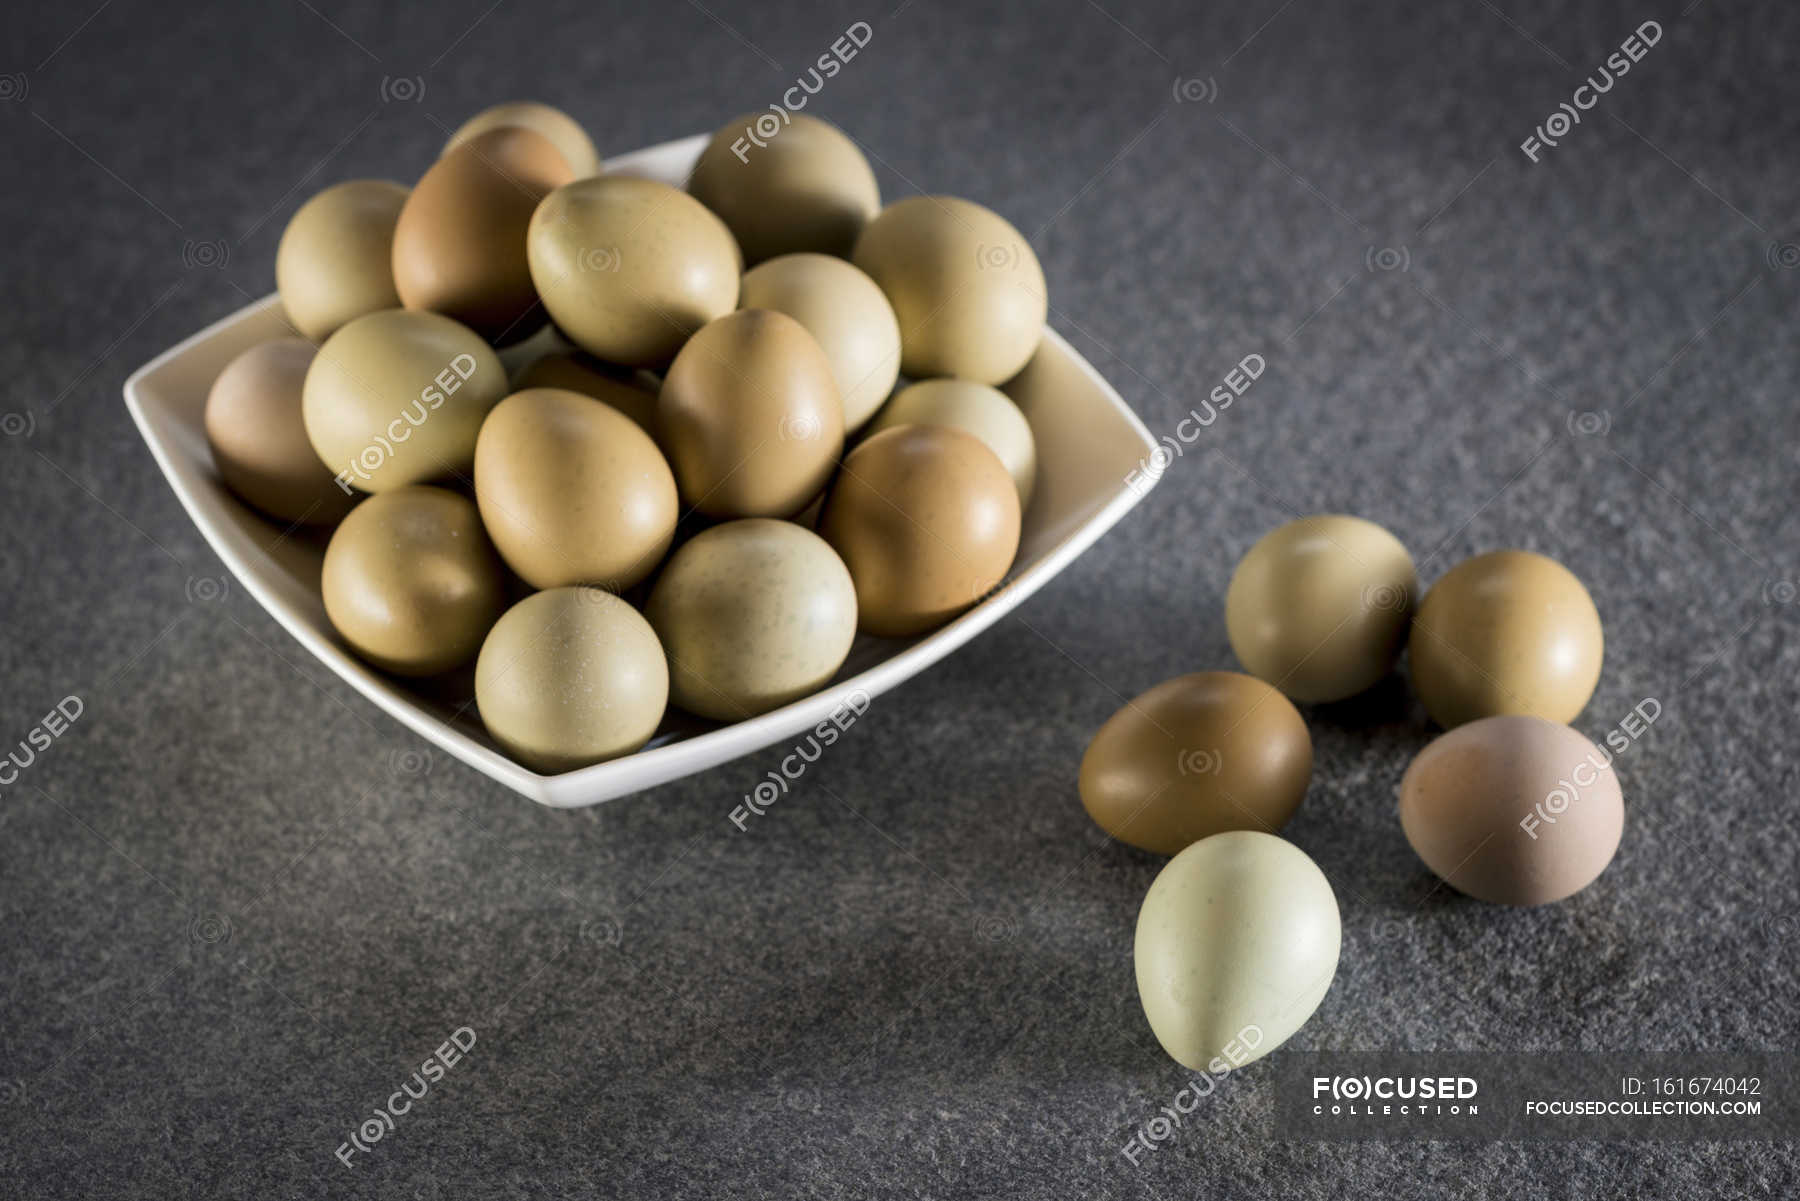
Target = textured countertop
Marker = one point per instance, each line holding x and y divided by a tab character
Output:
235	913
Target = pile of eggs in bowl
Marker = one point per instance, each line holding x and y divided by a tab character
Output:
703	486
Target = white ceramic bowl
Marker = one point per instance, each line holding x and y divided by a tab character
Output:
1088	442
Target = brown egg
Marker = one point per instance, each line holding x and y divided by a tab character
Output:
964	283
258	437
398	397
570	140
572	492
927	519
750	416
459	247
570	677
1320	606
335	260
807	188
411	582
1513	809
1506	632
988	413
575	371
1195	756
629	268
848	315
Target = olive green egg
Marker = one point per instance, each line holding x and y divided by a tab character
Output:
629	268
398	397
753	614
572	492
335	259
964	283
563	131
569	677
1237	944
411	582
845	312
806	188
1506	632
974	408
258	438
1320	607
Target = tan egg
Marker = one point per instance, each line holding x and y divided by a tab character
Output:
964	283
807	189
572	492
1196	756
1506	632
570	140
976	409
848	316
459	247
753	614
750	417
336	257
629	268
411	582
1513	809
570	677
927	520
1320	607
575	371
398	398
258	437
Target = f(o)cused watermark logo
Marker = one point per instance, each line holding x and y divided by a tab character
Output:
1195	89
1200	763
1568	791
1237	381
1567	115
207	256
1386	598
1590	423
997	256
603	930
1387	258
381	1122
598	258
38	739
431	398
793	765
402	89
1167	1121
207	589
210	929
20	425
799	428
764	127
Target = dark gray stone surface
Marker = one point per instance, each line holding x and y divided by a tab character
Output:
232	922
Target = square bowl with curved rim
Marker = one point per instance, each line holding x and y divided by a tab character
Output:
1092	452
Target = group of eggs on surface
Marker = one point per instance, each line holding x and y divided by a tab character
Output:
704	487
1241	929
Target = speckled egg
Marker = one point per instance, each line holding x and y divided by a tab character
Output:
753	614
